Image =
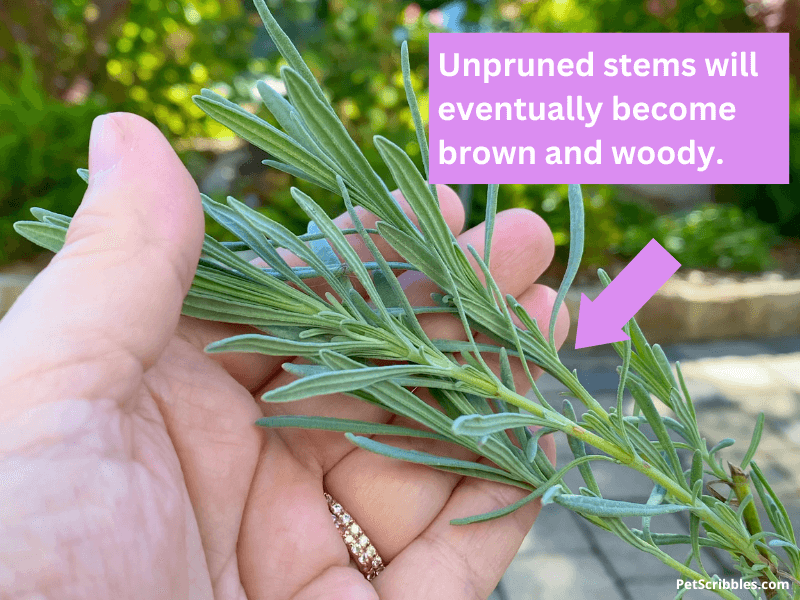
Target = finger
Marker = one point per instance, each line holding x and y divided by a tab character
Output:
103	310
465	561
336	583
286	525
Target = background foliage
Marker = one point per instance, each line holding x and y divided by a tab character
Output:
65	61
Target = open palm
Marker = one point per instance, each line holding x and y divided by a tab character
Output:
132	463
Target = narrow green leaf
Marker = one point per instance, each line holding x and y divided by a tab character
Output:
299	173
783	544
751	450
551	493
602	507
342	381
308	237
685	391
414	251
50	217
484	368
288	50
506	374
743	505
383	276
320	166
263	135
255	240
655	420
576	234
532	447
647	449
482	425
236	246
385	290
529	322
461	467
50	237
321	247
673	539
511	327
418	195
578	449
259	285
551	485
663	363
214	309
291	242
626	363
657	495
642	347
649	377
456	346
696	472
399	401
332	136
275	346
411	98
781	522
500	512
491	213
694	535
727	442
350	256
345	426
283	111
301	370
318	151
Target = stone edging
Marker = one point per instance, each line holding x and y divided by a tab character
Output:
682	311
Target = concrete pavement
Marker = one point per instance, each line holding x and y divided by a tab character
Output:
730	382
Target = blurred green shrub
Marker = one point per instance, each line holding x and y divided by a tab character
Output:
42	143
710	235
773	203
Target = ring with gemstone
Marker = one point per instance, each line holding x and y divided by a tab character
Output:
361	550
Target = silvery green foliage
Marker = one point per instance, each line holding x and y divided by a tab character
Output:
345	334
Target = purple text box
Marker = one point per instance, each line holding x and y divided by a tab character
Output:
669	136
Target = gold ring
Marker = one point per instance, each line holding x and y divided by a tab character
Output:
361	550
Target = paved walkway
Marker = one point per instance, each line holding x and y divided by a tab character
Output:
730	382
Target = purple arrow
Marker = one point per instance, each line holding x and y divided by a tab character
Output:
601	321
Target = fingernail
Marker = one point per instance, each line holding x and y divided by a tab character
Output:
105	145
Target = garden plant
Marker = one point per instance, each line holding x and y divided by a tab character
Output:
371	345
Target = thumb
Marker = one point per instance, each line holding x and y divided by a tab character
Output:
104	309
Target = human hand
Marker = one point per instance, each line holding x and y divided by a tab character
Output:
130	461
